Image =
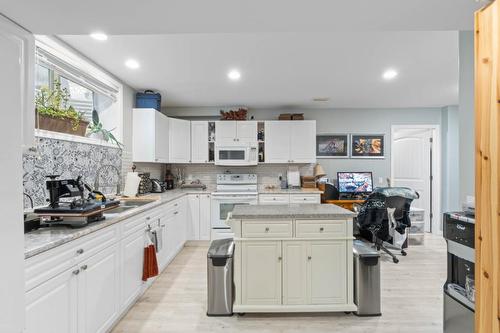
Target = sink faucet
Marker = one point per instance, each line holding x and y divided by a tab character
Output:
118	173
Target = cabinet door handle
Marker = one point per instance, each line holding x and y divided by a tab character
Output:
148	218
321	229
309	258
279	258
305	199
76	272
163	225
274	199
267	229
79	251
84	267
175	213
176	204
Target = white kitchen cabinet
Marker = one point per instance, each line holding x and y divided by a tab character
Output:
295	272
199	142
98	291
179	132
198	217
290	141
170	239
51	307
303	141
261	274
132	260
235	131
205	216
149	136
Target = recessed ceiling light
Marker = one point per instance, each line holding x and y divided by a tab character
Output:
132	64
390	74
99	36
234	75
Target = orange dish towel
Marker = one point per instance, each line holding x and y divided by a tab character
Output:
150	268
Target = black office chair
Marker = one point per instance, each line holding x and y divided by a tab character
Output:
373	217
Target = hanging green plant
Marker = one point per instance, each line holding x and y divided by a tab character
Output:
53	104
96	127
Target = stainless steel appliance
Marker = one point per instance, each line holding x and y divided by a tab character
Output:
230	154
459	287
220	278
157	186
232	190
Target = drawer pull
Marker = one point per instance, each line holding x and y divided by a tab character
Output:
76	272
79	251
148	218
321	229
267	229
274	199
175	213
309	258
84	267
305	199
176	204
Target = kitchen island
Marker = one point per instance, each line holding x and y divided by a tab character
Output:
292	258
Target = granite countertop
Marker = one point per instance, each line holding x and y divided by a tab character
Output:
44	239
299	211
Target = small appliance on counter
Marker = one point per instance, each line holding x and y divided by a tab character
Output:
293	177
68	206
459	290
145	186
157	186
169	180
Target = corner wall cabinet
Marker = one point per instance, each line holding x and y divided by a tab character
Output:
199	142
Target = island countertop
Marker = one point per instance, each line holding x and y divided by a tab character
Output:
293	211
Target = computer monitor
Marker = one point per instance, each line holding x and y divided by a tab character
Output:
355	182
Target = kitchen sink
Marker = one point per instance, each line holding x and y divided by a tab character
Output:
134	203
119	209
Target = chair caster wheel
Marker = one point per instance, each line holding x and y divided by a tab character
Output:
404	254
395	260
347	312
241	314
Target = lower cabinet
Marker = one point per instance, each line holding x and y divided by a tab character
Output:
52	306
82	299
307	272
132	260
198	216
261	274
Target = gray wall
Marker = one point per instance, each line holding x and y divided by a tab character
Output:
450	161
466	113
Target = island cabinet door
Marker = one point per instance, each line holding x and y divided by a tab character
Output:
327	272
261	272
295	272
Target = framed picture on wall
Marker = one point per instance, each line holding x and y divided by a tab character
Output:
367	145
332	146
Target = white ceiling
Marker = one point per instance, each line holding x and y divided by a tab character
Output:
117	17
286	69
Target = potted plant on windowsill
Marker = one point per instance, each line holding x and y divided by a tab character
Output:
96	129
54	114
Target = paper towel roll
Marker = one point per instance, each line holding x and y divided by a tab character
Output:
131	184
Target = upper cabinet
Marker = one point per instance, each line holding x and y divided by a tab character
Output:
199	142
235	131
290	141
179	132
157	138
149	136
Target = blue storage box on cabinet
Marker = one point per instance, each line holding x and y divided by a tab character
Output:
148	100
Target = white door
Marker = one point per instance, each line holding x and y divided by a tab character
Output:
246	131
411	165
294	272
261	274
277	143
303	141
193	217
225	131
327	275
199	142
179	140
161	138
205	216
98	293
52	306
132	260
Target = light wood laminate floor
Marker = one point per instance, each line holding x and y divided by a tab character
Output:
411	300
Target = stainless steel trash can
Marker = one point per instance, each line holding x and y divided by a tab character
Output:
220	277
366	279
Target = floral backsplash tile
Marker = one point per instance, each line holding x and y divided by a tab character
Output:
69	160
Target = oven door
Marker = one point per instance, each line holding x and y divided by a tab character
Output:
222	205
236	155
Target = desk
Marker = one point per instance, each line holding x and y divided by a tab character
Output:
347	204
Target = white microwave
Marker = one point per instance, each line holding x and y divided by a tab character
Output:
239	154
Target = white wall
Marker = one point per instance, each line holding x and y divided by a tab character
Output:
466	113
450	162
